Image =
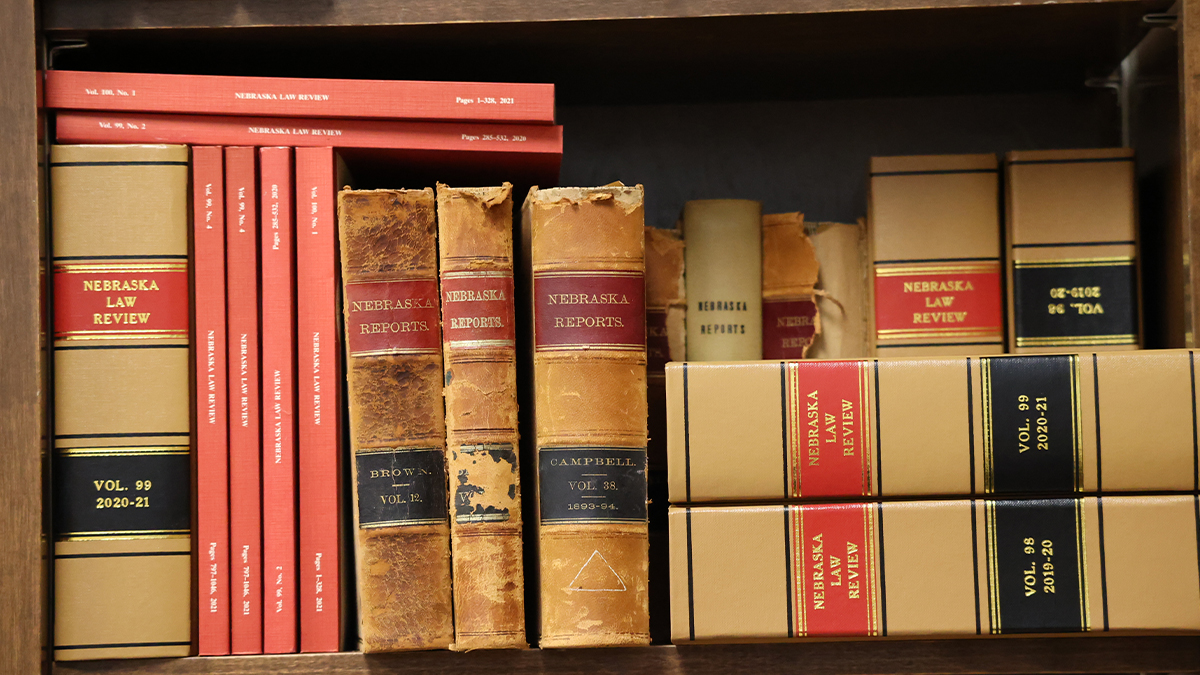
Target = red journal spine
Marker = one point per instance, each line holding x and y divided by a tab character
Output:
245	504
319	402
301	97
278	401
212	419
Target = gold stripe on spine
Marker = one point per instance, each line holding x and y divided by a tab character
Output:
124	535
395	351
479	344
794	435
1085	613
993	576
607	346
985	370
401	523
1119	261
1078	340
477	275
801	575
866	456
586	273
148	334
1077	422
101	268
873	571
950	268
125	451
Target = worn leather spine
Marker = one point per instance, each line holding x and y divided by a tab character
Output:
397	424
587	258
479	341
791	317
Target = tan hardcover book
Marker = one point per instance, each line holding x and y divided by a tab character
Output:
397	420
961	568
1037	424
844	298
789	277
475	236
122	481
587	257
1073	272
724	280
934	226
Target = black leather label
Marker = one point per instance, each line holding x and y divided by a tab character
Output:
401	486
1031	418
592	485
114	492
1035	549
1075	303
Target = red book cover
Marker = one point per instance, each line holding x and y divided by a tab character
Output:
301	97
245	504
212	418
278	401
319	409
512	147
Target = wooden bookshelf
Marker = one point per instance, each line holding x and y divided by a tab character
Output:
646	63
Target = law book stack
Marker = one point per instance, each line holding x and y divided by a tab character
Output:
268	402
944	496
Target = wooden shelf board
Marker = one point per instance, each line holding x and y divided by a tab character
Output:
1096	654
802	53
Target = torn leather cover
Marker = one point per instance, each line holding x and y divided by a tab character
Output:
791	320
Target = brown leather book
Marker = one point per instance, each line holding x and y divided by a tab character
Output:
397	423
122	405
479	339
844	282
587	256
957	568
789	274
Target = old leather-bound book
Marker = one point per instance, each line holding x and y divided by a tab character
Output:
844	282
122	441
789	275
479	339
397	424
586	252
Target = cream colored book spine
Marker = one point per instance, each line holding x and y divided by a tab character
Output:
723	258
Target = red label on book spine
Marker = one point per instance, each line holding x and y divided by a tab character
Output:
836	589
121	301
940	301
829	431
589	310
477	309
789	327
392	317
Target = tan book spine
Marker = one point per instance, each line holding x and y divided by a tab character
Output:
961	568
935	240
479	341
1035	424
397	421
121	471
1074	276
724	281
588	265
789	276
844	301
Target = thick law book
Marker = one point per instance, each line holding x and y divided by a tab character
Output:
934	223
318	402
397	419
212	412
475	244
724	279
245	439
278	314
525	148
121	467
844	285
790	320
1035	424
1072	235
586	252
300	97
962	568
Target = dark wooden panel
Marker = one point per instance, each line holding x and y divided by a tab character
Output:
999	655
123	14
742	57
21	573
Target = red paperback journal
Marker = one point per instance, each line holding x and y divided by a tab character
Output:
301	97
319	402
212	415
278	401
245	525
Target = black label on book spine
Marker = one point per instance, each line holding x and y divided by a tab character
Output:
1075	303
401	486
1031	424
592	485
122	492
1035	549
